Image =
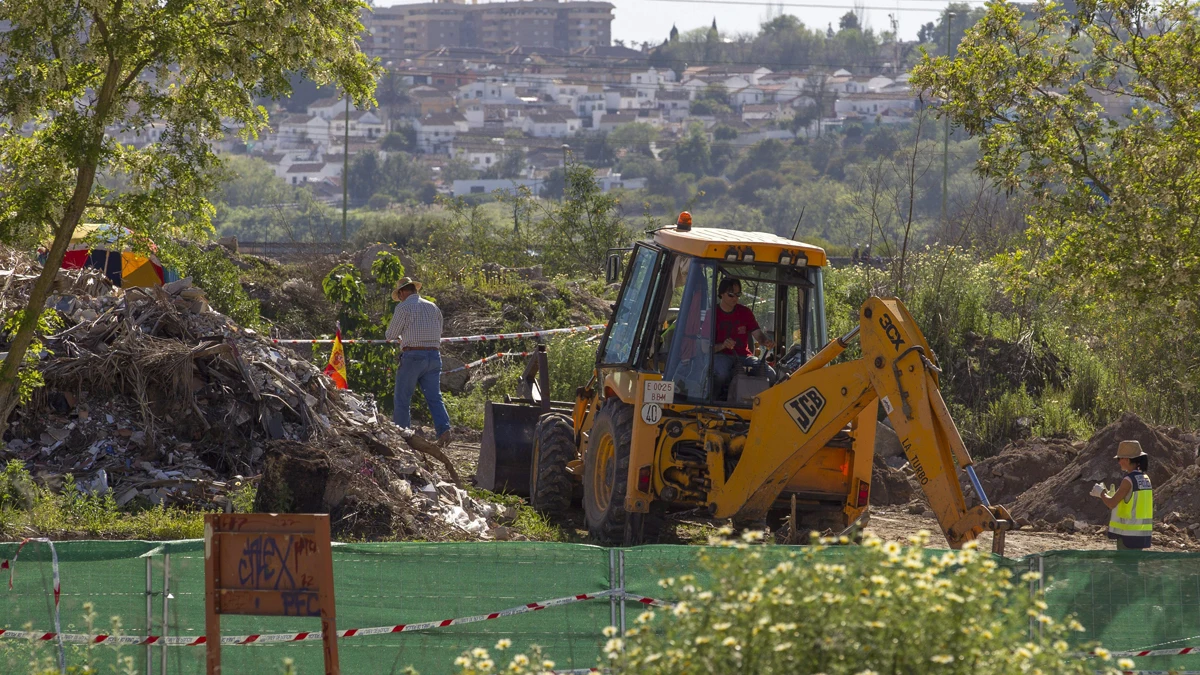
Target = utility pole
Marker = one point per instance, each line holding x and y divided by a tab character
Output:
565	148
946	132
346	166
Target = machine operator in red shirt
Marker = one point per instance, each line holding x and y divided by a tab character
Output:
735	324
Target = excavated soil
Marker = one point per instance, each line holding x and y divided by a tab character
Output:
1064	496
1022	465
889	486
1180	495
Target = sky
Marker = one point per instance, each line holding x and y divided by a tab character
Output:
638	21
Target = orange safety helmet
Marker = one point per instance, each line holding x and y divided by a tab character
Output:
684	223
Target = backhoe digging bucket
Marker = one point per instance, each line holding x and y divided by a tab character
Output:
507	447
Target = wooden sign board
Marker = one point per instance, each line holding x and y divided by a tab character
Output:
269	565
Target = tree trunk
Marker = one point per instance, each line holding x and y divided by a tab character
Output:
41	290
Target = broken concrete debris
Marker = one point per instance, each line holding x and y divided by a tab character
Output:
153	396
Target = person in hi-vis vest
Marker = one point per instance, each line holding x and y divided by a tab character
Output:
1132	503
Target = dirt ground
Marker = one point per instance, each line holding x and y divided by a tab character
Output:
892	523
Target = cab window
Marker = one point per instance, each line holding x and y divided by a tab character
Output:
622	335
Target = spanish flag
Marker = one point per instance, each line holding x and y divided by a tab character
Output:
336	368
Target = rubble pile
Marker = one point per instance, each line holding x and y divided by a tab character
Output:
153	396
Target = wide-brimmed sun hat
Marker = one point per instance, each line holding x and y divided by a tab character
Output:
402	283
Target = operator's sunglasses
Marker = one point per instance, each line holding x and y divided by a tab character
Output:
733	294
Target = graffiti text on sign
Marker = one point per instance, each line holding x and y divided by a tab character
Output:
265	565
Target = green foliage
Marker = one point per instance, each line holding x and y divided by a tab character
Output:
571	359
27	509
29	378
189	71
403	139
1093	118
37	657
344	287
213	272
878	608
386	269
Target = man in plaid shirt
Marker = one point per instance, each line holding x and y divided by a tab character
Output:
417	323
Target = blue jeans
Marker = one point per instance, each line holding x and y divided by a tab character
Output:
724	363
424	368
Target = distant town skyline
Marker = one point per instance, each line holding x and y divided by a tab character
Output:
637	21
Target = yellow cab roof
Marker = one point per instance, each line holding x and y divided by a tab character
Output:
710	242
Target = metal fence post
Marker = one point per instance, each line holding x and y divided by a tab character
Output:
1041	580
149	614
166	598
1031	593
621	559
612	586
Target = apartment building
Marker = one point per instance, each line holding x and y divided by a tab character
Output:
402	31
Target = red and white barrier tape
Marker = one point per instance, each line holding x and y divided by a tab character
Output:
10	565
458	339
1174	651
486	359
184	641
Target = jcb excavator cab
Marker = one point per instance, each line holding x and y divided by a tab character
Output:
673	418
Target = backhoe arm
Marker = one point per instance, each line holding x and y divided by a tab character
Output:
904	377
898	370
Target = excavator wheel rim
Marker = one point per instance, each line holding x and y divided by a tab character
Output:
603	478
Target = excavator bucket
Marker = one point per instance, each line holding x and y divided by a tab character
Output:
507	448
506	451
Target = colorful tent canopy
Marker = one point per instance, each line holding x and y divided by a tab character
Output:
96	246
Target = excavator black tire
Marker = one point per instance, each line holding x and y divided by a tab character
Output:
607	452
550	484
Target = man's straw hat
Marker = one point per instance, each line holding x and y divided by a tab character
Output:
1129	450
404	281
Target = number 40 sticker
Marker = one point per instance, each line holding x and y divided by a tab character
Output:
651	413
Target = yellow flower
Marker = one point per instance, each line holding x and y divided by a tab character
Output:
609	631
479	653
503	643
729	642
680	609
521	660
783	646
645	617
462	662
485	665
614	645
724	625
1103	653
702	640
547	664
1125	664
942	658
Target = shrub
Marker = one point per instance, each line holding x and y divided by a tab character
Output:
218	277
876	608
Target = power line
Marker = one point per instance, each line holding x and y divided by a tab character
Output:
762	3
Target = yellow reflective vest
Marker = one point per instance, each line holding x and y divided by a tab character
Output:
1133	519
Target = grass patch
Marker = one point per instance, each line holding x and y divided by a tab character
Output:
28	509
528	522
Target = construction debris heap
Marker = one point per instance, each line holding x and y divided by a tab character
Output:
152	395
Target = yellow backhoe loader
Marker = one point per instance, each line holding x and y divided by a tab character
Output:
665	425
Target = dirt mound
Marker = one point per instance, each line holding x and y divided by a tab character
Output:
889	486
1180	494
153	396
1065	495
1020	466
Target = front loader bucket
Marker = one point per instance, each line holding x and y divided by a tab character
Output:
507	448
